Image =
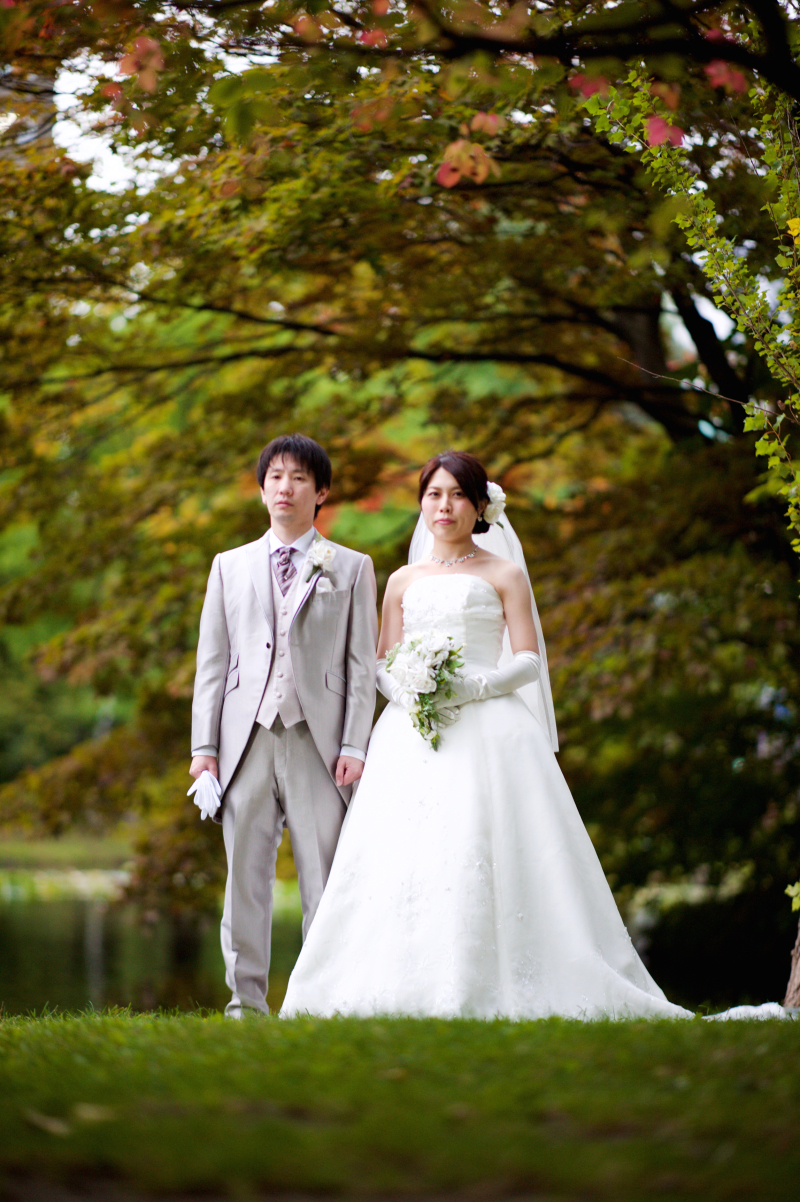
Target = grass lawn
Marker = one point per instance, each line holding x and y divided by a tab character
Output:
552	1109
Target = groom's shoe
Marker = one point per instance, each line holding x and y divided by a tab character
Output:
234	1008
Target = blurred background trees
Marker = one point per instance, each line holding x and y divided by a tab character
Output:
398	231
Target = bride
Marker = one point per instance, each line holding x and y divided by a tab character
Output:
464	883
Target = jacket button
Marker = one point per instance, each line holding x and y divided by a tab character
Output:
268	646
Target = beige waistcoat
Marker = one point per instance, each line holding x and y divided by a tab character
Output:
280	695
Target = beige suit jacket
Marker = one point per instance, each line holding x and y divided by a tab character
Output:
332	642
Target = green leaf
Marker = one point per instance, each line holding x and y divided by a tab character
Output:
225	91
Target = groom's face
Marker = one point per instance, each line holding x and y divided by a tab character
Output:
291	495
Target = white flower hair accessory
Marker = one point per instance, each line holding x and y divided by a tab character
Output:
497	503
320	557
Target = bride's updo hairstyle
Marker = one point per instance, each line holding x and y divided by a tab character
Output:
470	474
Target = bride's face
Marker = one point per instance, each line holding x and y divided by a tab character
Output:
449	514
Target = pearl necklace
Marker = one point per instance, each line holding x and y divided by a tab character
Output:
448	563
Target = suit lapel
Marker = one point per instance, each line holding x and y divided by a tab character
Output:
260	569
307	588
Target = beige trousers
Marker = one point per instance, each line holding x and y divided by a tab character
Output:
281	780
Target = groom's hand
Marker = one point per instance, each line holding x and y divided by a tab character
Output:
348	770
201	763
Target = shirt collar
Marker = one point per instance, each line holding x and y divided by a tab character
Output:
300	544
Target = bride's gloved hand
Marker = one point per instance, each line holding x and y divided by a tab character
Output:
523	669
465	689
448	711
386	683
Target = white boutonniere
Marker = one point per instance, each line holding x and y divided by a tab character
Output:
497	503
320	557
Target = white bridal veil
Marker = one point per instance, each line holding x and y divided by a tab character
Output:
502	540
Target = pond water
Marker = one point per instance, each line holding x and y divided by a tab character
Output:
73	953
66	944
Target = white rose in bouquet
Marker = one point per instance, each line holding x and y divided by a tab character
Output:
422	668
434	647
411	677
420	678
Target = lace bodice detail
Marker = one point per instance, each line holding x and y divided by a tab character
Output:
466	607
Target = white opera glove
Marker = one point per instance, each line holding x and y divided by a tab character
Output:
208	792
385	682
523	669
464	689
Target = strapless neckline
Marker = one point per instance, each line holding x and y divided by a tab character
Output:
457	576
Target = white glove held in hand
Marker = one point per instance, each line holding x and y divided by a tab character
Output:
523	669
208	792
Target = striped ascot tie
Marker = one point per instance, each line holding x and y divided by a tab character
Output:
285	571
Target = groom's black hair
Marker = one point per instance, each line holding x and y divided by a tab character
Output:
302	450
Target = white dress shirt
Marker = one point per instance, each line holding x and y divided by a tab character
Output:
298	552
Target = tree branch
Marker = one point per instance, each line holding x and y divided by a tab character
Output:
712	354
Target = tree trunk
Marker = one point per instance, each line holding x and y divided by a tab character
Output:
793	988
639	327
712	354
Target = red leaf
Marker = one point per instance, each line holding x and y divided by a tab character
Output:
659	130
723	75
380	7
147	79
487	123
588	85
112	90
373	37
669	93
448	175
307	28
363	118
148	51
143	61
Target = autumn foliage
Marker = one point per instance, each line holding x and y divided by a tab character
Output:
398	228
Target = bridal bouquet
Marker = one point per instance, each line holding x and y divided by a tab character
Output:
424	668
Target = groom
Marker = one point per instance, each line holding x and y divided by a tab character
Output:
283	702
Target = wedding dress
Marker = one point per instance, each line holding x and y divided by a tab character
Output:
465	883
